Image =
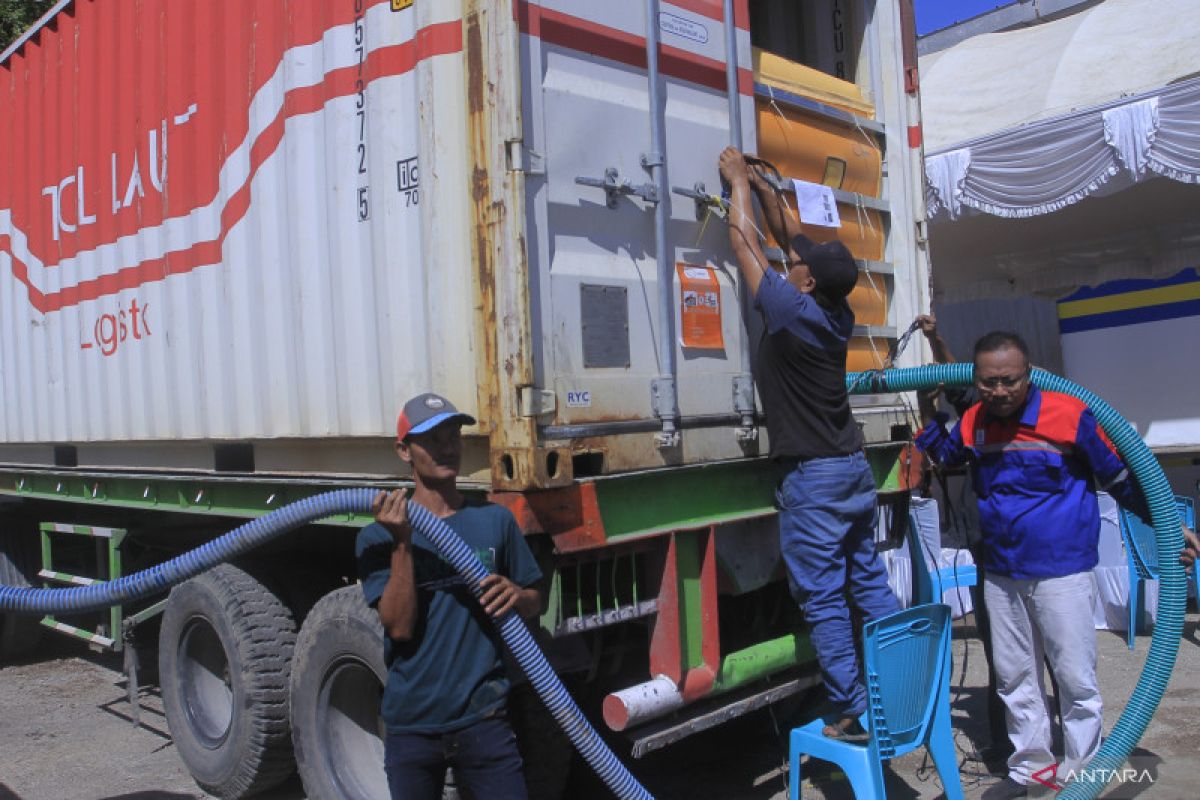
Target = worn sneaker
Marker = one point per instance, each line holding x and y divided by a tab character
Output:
1006	789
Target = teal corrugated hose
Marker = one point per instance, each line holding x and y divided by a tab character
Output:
1172	595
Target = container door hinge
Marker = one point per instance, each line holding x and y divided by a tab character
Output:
534	402
522	159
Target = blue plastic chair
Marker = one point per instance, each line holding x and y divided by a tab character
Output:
907	668
929	587
1141	555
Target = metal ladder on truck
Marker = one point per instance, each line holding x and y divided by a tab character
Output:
114	632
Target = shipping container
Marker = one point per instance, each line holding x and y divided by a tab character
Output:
236	234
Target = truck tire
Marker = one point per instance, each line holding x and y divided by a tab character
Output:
224	661
19	633
337	684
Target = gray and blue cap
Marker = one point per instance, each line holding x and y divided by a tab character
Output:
425	412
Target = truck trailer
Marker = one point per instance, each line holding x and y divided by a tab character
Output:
235	235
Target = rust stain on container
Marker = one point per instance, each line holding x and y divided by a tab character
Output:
483	218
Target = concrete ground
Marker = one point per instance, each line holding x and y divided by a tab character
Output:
65	733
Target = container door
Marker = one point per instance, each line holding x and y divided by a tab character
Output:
592	262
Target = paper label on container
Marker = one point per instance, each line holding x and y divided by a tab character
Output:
700	308
816	204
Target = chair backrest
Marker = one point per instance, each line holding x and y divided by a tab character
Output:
1141	540
907	657
925	586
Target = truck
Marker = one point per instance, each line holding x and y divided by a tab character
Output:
235	236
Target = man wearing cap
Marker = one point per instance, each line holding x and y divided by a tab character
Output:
826	495
444	701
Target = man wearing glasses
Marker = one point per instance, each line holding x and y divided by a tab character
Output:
1036	459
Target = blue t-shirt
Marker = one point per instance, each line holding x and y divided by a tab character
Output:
450	674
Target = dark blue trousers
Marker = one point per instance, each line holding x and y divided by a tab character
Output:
484	757
827	536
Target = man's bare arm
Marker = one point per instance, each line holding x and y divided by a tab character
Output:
398	603
743	234
783	226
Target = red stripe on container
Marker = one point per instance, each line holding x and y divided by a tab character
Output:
598	40
440	39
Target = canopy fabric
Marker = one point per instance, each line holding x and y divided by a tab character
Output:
1047	166
1029	121
1113	50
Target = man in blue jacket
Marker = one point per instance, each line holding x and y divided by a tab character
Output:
1036	459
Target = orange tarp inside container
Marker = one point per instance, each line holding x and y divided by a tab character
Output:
863	354
836	154
809	148
781	73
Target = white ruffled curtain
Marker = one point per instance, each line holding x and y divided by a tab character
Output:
1046	166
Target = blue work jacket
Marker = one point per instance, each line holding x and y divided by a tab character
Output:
1035	475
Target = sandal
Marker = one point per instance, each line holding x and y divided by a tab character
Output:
847	729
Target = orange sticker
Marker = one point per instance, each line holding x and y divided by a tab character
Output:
700	308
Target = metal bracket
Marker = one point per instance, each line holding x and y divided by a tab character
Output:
615	186
664	401
522	159
663	397
533	402
743	403
651	160
705	202
667	440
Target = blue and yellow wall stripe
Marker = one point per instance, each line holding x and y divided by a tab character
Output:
1130	302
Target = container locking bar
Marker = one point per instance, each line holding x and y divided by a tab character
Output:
615	186
743	382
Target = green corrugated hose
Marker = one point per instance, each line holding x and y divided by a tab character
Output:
1172	594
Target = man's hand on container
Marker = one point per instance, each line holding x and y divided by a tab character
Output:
391	511
732	165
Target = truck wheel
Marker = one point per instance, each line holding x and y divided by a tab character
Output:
224	659
19	633
337	684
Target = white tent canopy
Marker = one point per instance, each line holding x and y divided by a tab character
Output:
1027	122
1020	127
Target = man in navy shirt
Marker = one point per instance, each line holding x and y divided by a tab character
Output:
1036	459
446	687
826	495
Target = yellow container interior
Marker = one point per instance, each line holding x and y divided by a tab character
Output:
834	154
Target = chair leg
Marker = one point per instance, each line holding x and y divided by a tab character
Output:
867	781
1135	586
1140	619
793	772
941	747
